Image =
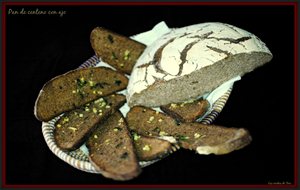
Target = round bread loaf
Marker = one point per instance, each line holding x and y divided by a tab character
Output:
191	61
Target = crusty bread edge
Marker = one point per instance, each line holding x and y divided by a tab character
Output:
241	139
43	91
115	176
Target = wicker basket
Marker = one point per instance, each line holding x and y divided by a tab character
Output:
79	158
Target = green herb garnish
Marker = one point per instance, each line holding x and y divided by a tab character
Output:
118	82
110	38
182	137
113	55
81	82
126	55
99	85
156	129
136	136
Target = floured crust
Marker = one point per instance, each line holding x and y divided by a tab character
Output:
186	50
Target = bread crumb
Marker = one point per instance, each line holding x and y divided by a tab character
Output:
136	137
150	119
126	54
95	110
99	100
72	128
92	83
162	133
197	135
65	120
107	141
173	106
82	79
146	148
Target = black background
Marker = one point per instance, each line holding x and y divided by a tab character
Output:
40	47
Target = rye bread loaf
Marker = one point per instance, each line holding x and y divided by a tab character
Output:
188	111
151	148
76	88
192	61
111	149
116	50
204	139
74	127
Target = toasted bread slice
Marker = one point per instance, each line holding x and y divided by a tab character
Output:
187	111
117	50
111	149
76	88
151	148
204	139
74	127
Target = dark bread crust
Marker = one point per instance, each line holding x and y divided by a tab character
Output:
111	149
74	127
205	139
76	88
116	50
187	111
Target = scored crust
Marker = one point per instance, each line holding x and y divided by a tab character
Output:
192	61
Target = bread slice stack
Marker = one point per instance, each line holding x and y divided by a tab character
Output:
112	151
204	139
73	128
170	74
76	88
92	118
87	101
